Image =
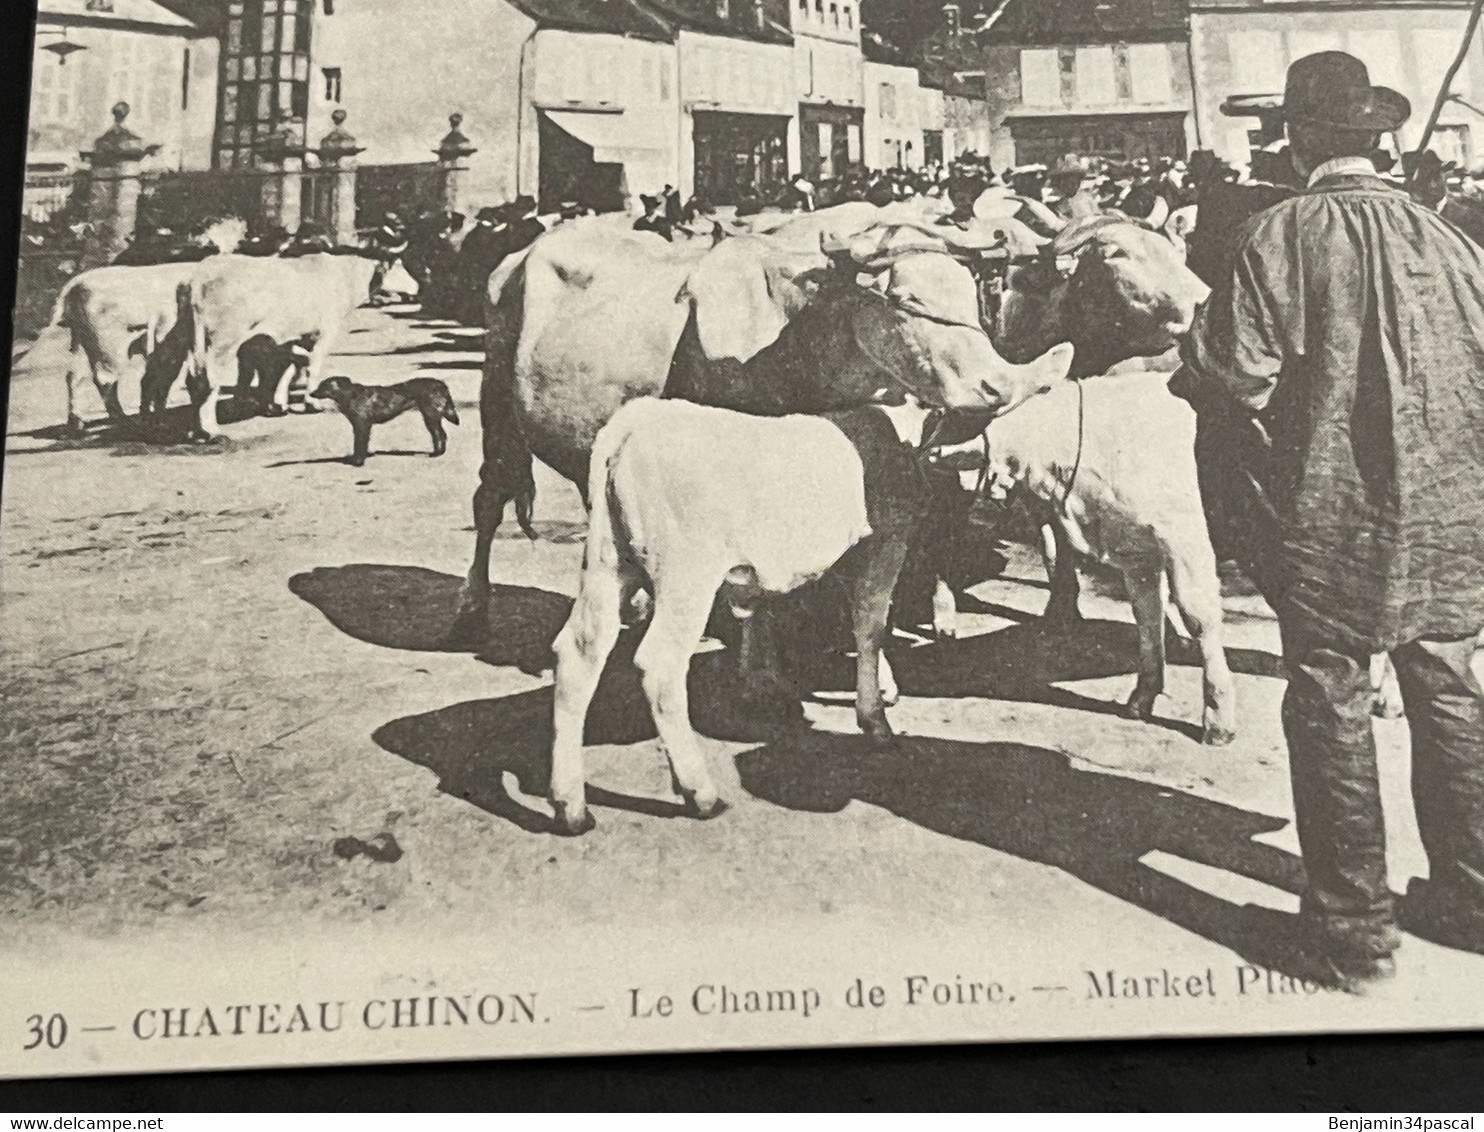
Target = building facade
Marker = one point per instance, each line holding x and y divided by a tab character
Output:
1092	77
563	100
591	101
899	113
829	87
91	55
1241	50
737	116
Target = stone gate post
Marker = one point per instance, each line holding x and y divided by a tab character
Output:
337	151
113	195
453	153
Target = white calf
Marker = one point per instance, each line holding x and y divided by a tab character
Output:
687	499
1115	457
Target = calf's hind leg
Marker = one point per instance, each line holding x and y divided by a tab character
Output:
1146	593
1196	589
1062	614
581	649
682	607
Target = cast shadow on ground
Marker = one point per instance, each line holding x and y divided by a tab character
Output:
375	452
410	607
445	342
472	746
1022	800
134	435
1025	662
421	320
475	365
1032	803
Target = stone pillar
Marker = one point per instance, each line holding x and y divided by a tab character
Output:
113	196
453	153
337	153
283	186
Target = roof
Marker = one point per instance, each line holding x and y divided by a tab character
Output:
877	49
132	12
741	22
208	15
660	20
610	17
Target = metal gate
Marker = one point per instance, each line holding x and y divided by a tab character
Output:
408	190
53	226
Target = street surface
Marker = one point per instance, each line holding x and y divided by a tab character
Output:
224	681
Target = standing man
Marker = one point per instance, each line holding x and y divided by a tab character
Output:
1344	352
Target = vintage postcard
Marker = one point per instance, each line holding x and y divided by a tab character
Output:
576	526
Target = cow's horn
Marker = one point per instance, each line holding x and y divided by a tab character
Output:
1075	236
1042	215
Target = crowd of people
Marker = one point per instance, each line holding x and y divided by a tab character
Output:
451	261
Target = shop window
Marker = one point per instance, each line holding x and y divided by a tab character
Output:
1149	72
888	100
1096	85
1040	77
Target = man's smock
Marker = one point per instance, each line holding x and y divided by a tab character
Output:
1351	323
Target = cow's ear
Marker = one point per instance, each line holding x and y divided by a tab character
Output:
1055	364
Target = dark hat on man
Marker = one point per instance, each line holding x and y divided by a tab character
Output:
1333	89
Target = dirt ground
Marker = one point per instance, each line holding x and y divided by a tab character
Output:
223	676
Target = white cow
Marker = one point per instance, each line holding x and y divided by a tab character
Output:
109	317
1115	458
235	298
687	499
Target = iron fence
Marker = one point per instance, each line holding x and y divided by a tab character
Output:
49	193
409	190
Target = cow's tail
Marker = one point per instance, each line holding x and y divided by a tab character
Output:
506	475
187	314
602	538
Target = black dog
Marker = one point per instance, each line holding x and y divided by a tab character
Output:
368	405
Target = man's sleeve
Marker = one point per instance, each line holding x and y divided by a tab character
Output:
1246	330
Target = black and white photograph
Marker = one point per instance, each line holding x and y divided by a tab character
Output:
566	527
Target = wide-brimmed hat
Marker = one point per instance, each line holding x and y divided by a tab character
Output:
1333	89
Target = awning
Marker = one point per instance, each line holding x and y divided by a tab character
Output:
612	136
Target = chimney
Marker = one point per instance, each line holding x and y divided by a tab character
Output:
952	20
